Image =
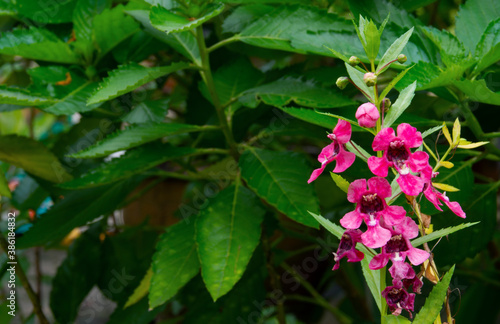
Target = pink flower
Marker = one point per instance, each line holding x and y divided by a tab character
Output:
398	298
370	207
336	151
347	248
398	248
397	154
367	115
435	197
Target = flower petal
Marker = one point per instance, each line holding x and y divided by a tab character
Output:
408	228
344	160
316	173
351	220
455	207
382	140
327	154
375	236
418	161
381	186
393	215
379	261
379	166
355	256
417	256
401	270
410	135
356	190
342	131
410	184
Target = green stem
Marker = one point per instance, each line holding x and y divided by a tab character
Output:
492	135
206	75
37	308
320	300
226	41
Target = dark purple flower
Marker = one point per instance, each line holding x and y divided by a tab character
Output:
398	298
347	248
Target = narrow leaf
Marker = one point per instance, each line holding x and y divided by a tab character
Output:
393	82
445	187
440	233
471	145
342	183
372	278
141	290
16	96
167	21
447	134
357	77
400	105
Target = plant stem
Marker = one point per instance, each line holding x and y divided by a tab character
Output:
226	41
37	308
492	135
320	300
206	75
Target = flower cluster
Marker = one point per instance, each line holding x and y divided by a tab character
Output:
384	226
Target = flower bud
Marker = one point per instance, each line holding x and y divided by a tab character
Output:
353	61
367	115
342	82
370	79
386	104
402	58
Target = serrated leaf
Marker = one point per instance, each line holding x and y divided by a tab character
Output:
148	111
21	97
37	44
133	136
477	90
44	12
76	209
450	48
403	102
33	157
111	27
393	51
76	276
391	319
473	18
227	233
488	48
342	183
430	76
4	186
184	42
166	21
280	178
242	16
141	290
175	262
75	101
128	78
445	187
434	302
132	162
357	77
446	133
305	93
469	145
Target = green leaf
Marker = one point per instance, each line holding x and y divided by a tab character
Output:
133	136
242	16
16	96
473	18
372	278
55	12
175	262
440	233
488	48
371	40
111	27
184	42
305	93
167	21
393	82
128	78
393	51
33	157
433	304
322	119
148	111
430	76
403	101
76	209
37	44
477	90
357	77
76	276
141	290
4	186
342	183
227	233
452	51
132	162
391	319
83	16
75	101
280	178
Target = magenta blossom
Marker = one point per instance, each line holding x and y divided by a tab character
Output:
370	207
398	248
398	298
435	197
347	248
397	154
336	151
367	115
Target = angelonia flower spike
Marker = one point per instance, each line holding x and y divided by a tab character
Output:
379	226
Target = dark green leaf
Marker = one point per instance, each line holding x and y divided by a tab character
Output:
129	77
167	21
83	16
147	111
75	101
434	302
430	76
488	48
28	194
16	96
33	157
138	313
242	16
4	186
477	90
451	49
141	290
37	44
76	276
473	18
134	136
133	162
174	263
440	233
314	117
280	178
281	92
227	233
76	209
46	12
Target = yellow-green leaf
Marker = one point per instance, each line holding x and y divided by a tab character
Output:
342	183
141	290
470	145
456	132
446	133
444	187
